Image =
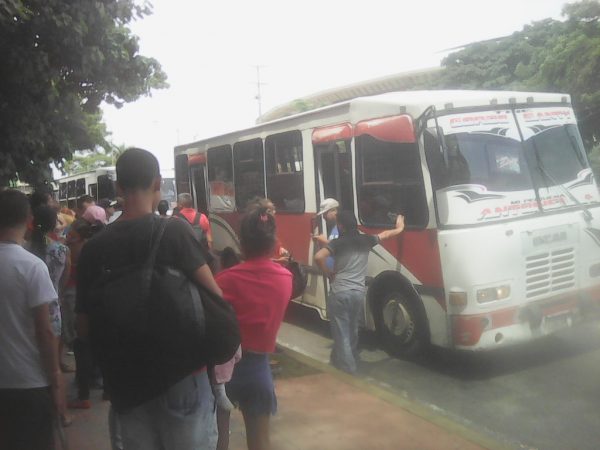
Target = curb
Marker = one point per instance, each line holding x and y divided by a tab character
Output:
389	396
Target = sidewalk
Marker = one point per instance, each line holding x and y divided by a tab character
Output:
317	410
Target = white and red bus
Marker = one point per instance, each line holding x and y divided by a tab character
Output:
502	240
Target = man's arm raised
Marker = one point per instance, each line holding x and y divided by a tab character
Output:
399	228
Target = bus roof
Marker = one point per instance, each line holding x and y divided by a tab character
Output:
100	171
413	103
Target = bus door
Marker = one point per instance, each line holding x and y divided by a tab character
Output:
333	165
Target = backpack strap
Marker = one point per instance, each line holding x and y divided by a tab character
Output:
196	221
149	264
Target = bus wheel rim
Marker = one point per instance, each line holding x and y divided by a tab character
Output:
397	320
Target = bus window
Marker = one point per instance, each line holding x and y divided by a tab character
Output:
285	175
336	172
80	187
220	178
249	171
390	182
106	187
182	174
199	187
93	191
62	191
71	193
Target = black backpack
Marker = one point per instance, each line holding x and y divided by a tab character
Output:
151	326
198	231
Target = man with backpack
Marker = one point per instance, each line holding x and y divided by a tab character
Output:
196	219
155	409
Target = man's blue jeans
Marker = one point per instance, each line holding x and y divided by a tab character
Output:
344	311
181	418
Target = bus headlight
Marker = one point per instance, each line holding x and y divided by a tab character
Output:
595	270
493	293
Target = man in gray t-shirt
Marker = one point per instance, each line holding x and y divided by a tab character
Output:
345	302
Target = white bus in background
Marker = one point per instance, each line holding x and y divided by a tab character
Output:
100	183
502	239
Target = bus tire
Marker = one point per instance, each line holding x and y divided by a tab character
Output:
400	325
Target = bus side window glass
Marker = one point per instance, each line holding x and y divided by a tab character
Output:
93	190
62	191
80	187
249	171
435	160
285	171
390	182
71	192
182	174
106	187
220	178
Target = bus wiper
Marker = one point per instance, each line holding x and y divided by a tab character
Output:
587	215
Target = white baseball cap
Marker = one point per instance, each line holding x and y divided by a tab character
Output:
327	204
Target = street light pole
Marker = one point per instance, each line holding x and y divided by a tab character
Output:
258	85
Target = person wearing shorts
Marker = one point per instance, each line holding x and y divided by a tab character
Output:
259	290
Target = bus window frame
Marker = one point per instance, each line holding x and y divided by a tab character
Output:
182	174
360	183
271	170
241	205
226	149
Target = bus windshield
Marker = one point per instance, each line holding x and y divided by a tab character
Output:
496	162
495	165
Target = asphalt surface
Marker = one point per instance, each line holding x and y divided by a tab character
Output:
543	395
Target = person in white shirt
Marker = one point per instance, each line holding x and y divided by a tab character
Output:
31	384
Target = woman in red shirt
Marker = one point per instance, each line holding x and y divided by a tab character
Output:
259	291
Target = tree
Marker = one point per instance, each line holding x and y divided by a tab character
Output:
86	161
549	55
61	60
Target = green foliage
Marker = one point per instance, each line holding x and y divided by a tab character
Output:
550	55
86	161
60	60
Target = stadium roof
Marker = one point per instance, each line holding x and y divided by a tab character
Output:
416	79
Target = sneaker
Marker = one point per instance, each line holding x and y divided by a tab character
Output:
79	404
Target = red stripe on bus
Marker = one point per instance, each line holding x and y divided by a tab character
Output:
197	159
418	251
390	129
333	133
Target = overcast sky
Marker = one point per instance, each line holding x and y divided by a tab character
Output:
209	50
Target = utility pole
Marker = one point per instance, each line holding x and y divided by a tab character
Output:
258	85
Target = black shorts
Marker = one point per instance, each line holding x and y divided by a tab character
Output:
26	419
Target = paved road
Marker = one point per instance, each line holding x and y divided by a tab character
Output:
544	395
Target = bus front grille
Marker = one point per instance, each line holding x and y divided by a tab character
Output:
550	272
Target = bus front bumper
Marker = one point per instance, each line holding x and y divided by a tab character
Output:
523	323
